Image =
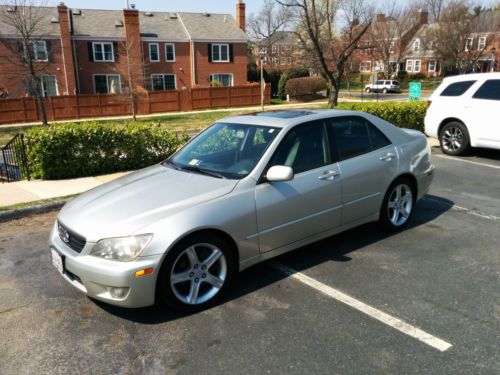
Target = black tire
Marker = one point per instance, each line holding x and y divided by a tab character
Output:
389	218
368	90
454	139
384	91
167	293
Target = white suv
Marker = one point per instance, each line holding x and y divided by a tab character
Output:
384	86
464	112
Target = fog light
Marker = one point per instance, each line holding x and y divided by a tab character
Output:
118	292
147	271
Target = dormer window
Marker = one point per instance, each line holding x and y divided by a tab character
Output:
416	45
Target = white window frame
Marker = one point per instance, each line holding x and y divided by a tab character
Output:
35	52
102	44
212	75
415	66
429	66
409	66
219	46
416	45
392	47
274	60
263	50
274	48
173	51
366	66
164	82
468	46
289	60
43	84
107	81
481	44
157	51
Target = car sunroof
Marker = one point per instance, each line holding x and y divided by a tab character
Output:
283	114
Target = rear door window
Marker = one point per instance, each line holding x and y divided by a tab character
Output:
457	88
489	90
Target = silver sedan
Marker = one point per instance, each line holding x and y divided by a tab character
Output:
246	189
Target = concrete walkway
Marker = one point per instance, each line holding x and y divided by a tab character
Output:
32	191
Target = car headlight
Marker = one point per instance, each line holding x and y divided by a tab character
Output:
122	249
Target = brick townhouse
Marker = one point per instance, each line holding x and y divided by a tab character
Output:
277	51
108	51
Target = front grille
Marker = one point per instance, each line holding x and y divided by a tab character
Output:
70	238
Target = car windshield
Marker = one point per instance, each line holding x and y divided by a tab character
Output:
225	150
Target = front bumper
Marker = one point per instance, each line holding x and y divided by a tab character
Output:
108	281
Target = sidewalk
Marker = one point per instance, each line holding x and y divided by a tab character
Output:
32	191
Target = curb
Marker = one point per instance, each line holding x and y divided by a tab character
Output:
32	210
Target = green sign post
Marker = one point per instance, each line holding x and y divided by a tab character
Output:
415	91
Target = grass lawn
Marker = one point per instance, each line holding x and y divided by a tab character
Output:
178	122
35	203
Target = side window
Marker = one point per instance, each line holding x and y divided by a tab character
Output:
378	139
351	136
305	147
489	90
457	88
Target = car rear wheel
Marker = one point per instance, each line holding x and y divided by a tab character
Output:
398	204
195	273
454	139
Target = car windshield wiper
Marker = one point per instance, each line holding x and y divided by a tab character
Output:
201	170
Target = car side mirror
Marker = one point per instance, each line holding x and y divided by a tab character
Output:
279	173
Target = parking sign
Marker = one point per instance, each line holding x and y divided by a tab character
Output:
415	90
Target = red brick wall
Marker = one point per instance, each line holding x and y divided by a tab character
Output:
13	77
181	67
86	68
204	68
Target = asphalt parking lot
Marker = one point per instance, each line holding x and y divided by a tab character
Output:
426	300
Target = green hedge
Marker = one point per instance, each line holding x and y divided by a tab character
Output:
408	115
78	150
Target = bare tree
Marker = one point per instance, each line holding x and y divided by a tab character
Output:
329	32
435	8
386	37
454	34
24	38
264	26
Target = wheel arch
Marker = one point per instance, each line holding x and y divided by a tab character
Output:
411	178
447	121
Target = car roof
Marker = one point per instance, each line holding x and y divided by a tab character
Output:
473	76
285	118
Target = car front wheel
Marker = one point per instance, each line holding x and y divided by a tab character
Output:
384	91
398	204
454	139
195	273
368	90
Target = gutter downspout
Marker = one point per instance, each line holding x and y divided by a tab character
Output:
194	77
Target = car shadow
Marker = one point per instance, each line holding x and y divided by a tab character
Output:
263	274
485	153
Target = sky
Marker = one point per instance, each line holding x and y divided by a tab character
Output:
210	6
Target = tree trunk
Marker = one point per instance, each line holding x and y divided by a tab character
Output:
333	93
39	100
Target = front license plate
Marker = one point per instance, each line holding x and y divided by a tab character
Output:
57	260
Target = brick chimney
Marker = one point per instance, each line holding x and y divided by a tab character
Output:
240	15
66	50
381	17
133	46
423	17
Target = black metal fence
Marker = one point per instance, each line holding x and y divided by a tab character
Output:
13	162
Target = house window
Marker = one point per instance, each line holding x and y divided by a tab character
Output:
274	61
225	79
283	61
275	48
154	52
289	61
263	50
468	44
40	51
170	52
220	52
366	66
103	52
432	45
416	66
162	82
409	65
392	47
107	83
431	66
482	43
416	45
288	47
49	86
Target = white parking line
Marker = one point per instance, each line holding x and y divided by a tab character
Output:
381	316
463	209
467	161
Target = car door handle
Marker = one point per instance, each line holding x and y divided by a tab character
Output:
328	175
387	157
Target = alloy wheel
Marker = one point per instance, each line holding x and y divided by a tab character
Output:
452	138
400	205
198	273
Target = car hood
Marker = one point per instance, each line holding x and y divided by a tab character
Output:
123	206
